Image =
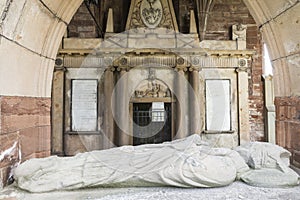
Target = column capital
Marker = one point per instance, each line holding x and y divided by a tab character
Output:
242	69
181	68
194	68
110	68
181	64
64	69
122	68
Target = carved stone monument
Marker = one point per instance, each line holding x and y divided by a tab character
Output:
187	162
269	165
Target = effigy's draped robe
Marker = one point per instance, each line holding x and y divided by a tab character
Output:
187	162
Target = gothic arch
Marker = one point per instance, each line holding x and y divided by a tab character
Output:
278	30
31	33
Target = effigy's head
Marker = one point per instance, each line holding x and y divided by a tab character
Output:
264	155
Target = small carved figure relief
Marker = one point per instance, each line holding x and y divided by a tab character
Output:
152	88
239	32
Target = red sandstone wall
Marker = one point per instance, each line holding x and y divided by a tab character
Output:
288	125
24	120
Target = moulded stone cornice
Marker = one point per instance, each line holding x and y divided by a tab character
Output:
235	53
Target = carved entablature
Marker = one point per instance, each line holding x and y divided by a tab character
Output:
151	14
152	88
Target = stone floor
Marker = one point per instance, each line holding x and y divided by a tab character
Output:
235	191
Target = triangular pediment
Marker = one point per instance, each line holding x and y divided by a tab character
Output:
151	14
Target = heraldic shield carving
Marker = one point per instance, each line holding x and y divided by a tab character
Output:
151	12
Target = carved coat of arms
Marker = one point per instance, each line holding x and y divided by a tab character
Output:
151	12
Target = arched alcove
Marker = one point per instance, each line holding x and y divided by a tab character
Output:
30	35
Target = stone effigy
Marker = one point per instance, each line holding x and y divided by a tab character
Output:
187	162
269	165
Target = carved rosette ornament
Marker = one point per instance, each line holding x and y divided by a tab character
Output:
151	12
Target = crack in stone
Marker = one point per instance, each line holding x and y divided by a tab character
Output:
26	48
285	57
4	14
54	14
19	19
281	13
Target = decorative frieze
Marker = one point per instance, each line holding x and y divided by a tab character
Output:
87	61
160	59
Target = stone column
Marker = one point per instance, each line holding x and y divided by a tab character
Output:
109	137
57	146
243	105
181	108
270	107
122	110
195	122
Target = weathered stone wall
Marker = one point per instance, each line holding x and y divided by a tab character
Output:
24	125
288	125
